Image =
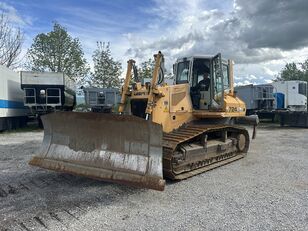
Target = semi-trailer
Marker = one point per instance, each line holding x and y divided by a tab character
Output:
46	92
13	113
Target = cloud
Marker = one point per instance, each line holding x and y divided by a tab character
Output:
13	16
200	31
253	77
274	24
253	33
261	36
268	71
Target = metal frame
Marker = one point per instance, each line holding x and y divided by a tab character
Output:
48	97
25	96
268	92
94	101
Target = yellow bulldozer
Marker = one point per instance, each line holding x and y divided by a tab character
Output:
161	131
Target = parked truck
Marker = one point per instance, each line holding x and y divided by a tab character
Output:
13	113
45	92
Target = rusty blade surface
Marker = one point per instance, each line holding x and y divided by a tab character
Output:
117	148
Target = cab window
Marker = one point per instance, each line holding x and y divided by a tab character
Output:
200	66
182	72
225	72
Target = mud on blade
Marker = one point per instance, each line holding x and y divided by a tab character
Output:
123	149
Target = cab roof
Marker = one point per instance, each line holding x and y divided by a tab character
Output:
198	57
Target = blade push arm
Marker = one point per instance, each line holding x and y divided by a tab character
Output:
128	78
150	105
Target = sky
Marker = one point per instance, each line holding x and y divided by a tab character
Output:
260	36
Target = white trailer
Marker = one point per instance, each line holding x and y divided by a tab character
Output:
294	94
13	113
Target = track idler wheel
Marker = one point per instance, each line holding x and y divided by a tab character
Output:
242	143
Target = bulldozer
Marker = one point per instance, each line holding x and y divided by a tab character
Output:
161	131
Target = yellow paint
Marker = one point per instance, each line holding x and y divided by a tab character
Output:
171	106
172	109
177	111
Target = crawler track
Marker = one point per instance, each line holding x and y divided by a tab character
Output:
188	166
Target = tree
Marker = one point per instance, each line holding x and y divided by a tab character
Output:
304	67
293	71
57	51
146	69
107	71
11	40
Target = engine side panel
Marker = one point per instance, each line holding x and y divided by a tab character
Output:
174	108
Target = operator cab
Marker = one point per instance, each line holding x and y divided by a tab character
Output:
208	77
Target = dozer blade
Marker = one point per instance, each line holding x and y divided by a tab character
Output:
116	148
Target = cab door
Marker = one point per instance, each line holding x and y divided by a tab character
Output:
217	84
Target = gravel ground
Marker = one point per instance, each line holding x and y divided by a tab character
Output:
267	190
